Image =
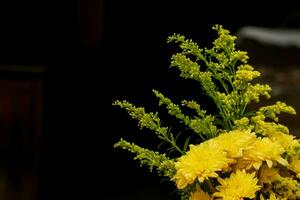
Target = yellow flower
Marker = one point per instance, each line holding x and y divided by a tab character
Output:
285	140
199	195
246	73
234	142
295	165
268	175
264	150
254	92
200	162
243	123
240	185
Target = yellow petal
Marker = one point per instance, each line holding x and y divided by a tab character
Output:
269	163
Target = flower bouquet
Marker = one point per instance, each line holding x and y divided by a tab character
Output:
236	153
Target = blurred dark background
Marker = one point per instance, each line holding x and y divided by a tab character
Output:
62	63
52	85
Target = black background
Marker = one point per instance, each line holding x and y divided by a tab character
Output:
100	51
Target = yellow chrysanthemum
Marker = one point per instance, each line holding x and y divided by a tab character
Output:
268	175
199	195
234	142
200	162
264	150
295	165
285	140
240	185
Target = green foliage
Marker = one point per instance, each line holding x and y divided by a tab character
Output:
215	70
273	110
201	124
150	121
161	162
226	78
220	64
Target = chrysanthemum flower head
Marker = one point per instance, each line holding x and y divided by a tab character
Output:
265	150
238	186
234	142
199	195
200	162
285	140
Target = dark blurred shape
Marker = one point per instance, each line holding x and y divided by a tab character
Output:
67	38
276	51
21	127
279	47
92	22
292	20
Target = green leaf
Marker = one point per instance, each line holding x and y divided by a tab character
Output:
186	144
177	136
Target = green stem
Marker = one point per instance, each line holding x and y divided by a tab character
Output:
175	146
210	186
226	124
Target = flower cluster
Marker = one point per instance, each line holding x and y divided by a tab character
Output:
237	154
